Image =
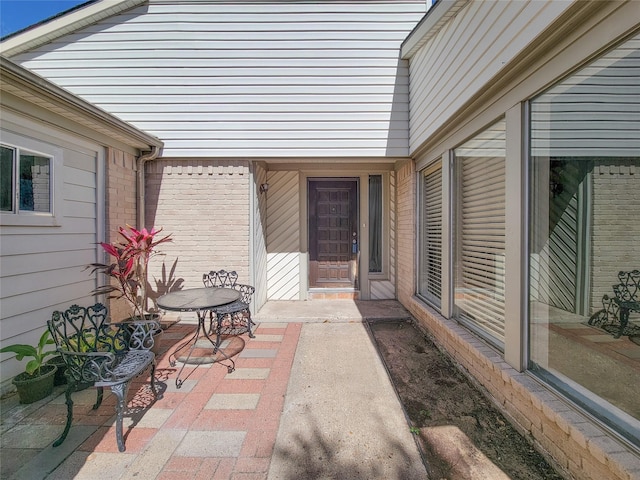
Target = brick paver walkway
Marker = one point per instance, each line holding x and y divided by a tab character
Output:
218	425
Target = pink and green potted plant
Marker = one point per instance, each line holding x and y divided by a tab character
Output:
130	266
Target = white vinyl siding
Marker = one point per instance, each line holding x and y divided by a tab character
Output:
593	113
247	79
462	58
480	236
42	266
430	249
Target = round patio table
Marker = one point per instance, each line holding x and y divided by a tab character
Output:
201	301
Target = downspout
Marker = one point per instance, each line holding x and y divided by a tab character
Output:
142	160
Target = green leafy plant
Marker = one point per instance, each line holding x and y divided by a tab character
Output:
38	353
130	266
414	430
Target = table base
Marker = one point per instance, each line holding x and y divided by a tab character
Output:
190	352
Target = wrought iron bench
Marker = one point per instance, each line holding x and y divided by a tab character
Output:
614	317
234	318
101	354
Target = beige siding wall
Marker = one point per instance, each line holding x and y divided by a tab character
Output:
232	78
42	266
406	228
204	205
466	54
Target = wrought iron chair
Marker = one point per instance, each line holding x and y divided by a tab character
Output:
614	317
234	318
101	354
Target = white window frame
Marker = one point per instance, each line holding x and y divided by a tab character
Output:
19	217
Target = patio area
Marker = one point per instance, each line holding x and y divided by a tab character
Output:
309	398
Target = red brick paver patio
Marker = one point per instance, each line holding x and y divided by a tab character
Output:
219	425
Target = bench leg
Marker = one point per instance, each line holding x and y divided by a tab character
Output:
71	387
120	391
624	320
153	380
99	397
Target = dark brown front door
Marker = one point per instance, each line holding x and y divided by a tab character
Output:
333	233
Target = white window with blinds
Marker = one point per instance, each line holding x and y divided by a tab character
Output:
479	238
430	250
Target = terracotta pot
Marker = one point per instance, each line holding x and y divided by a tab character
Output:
34	388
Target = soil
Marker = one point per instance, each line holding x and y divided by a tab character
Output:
435	392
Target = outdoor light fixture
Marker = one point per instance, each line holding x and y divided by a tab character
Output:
264	187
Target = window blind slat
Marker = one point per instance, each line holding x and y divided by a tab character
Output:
480	238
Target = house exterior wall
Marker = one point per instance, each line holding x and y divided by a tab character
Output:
247	79
204	205
259	236
462	57
284	250
120	180
406	227
42	266
558	39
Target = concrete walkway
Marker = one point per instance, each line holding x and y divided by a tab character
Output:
309	399
341	418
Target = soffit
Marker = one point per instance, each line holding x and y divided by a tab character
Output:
431	23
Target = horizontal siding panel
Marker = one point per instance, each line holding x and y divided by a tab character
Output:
173	88
240	69
23	284
462	58
247	63
170	54
269	128
15	316
30	244
42	262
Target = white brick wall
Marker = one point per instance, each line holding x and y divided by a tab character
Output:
204	205
616	230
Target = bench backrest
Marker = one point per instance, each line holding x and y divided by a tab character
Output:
86	329
628	289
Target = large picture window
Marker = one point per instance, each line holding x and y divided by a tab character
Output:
585	237
479	233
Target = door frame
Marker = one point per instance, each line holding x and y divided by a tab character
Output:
363	233
355	218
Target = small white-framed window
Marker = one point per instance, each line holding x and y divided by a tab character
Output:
29	181
25	181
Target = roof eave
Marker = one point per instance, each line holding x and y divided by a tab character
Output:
437	16
31	87
75	19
